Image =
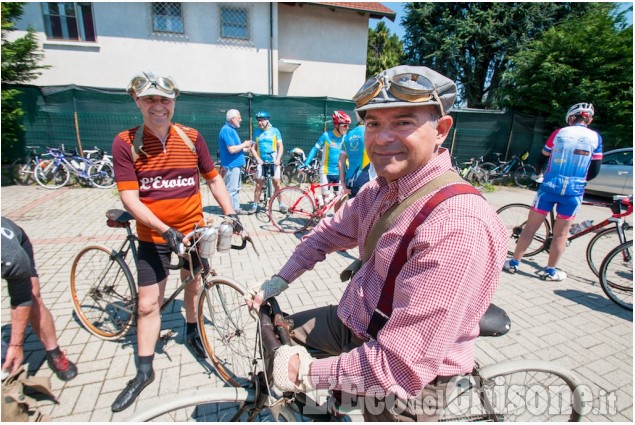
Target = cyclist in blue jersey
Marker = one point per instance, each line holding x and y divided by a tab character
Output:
268	148
330	143
355	175
574	155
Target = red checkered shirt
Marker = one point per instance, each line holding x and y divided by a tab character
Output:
442	291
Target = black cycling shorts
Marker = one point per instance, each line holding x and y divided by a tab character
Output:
153	262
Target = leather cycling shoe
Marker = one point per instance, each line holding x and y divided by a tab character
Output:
194	341
131	392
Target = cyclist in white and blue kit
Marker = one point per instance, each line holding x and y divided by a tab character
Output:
574	155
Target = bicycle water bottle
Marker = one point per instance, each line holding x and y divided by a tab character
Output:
580	227
225	231
208	242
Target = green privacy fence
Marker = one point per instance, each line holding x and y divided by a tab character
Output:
85	117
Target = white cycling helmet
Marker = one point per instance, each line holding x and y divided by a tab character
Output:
584	109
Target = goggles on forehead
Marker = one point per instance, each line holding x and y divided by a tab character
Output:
164	84
409	87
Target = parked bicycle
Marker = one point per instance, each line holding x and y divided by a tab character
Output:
103	288
248	172
293	209
22	169
472	172
56	172
514	216
616	275
515	170
522	390
296	174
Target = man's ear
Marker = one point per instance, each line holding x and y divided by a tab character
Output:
443	128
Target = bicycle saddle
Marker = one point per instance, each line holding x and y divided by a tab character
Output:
119	216
495	322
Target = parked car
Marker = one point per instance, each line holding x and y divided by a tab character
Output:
616	174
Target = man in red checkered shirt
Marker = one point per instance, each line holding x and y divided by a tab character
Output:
441	292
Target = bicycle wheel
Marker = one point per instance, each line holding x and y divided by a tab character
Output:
616	275
51	176
602	243
22	172
227	330
514	217
487	166
291	210
522	176
478	177
103	292
102	174
217	405
517	391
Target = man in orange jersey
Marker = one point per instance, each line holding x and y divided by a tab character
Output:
157	173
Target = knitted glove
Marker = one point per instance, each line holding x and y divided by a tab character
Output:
269	288
281	369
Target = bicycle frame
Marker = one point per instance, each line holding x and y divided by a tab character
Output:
617	218
321	210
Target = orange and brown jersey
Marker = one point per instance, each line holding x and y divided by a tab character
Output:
166	176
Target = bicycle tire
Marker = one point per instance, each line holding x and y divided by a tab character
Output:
514	217
299	213
227	329
217	405
103	292
49	176
489	167
616	275
602	243
22	172
522	176
518	391
101	174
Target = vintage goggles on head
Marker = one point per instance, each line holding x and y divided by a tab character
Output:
143	81
409	87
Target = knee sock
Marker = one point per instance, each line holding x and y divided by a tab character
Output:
145	366
190	328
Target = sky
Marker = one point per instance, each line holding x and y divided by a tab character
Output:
396	28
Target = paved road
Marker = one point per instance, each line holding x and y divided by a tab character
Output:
571	323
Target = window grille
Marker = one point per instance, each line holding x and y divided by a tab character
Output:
69	21
167	17
234	23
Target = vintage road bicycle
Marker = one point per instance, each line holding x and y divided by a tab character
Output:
514	216
103	288
521	390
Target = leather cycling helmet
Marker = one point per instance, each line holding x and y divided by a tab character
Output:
341	117
583	109
263	114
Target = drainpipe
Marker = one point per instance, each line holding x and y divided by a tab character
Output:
271	48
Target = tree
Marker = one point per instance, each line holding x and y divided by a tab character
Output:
471	42
384	50
587	59
20	64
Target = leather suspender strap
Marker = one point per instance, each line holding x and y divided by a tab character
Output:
137	142
389	217
384	307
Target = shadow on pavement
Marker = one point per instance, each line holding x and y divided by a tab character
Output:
595	302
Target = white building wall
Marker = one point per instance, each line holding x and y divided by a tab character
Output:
329	44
